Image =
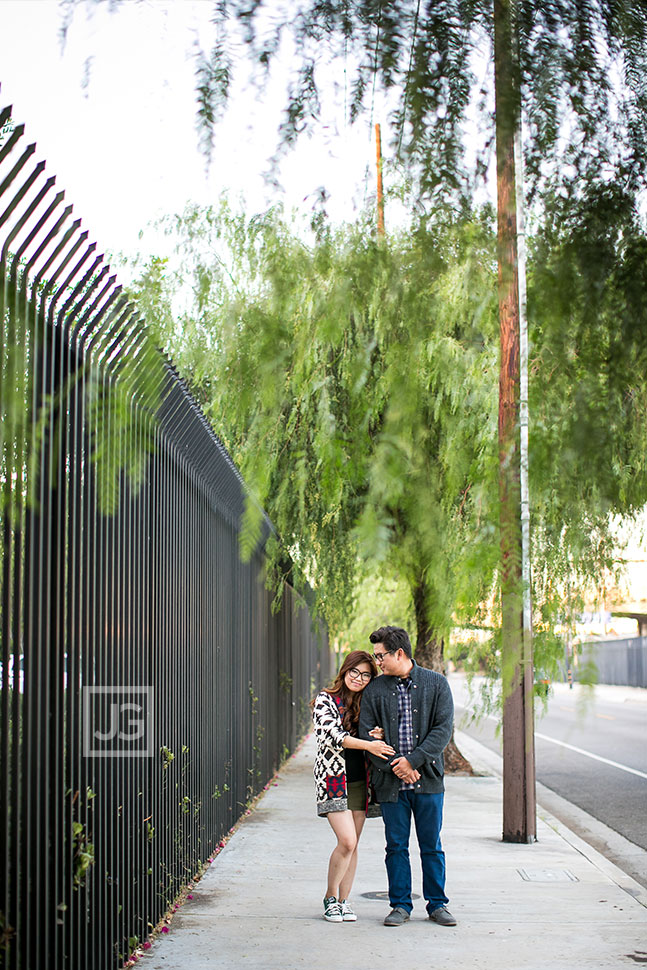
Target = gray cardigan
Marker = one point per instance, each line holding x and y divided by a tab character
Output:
432	710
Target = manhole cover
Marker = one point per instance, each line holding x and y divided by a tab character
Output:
547	875
383	895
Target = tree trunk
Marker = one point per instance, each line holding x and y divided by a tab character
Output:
429	653
429	647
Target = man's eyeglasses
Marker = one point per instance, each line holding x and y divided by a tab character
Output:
356	674
379	657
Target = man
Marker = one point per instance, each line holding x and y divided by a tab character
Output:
415	707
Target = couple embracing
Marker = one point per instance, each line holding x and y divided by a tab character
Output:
380	743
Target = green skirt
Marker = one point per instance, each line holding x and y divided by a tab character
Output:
356	794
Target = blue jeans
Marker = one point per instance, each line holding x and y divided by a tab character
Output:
427	810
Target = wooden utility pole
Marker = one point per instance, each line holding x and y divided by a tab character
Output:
380	192
519	807
524	420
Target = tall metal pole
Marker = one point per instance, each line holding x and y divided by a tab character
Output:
524	421
380	192
519	823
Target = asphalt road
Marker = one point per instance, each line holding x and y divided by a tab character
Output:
590	750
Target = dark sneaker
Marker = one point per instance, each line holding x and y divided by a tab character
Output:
396	917
332	911
442	916
347	913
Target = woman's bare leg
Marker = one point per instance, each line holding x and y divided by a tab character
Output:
343	825
346	883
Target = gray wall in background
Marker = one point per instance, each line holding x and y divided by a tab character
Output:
622	662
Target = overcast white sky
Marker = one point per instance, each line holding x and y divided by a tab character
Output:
113	113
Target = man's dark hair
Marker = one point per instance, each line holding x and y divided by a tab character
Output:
394	638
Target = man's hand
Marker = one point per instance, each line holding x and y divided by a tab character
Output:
403	770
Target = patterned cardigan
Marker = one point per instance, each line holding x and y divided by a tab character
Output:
330	761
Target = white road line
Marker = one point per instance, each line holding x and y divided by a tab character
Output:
571	747
589	754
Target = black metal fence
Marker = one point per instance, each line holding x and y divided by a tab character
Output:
148	692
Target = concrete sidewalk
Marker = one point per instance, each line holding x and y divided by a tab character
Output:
555	904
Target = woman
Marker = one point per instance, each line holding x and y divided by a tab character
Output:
341	774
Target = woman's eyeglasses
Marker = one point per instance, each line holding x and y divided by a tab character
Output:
356	674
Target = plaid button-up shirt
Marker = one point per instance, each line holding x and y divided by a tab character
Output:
405	723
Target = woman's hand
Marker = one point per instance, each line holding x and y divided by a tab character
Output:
378	733
380	748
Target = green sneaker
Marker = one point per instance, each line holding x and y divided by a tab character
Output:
332	911
347	914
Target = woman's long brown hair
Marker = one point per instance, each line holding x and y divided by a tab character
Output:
350	699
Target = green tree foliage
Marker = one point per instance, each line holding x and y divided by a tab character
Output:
588	403
582	70
587	301
378	595
576	70
355	385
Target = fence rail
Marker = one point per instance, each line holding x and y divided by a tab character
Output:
148	692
